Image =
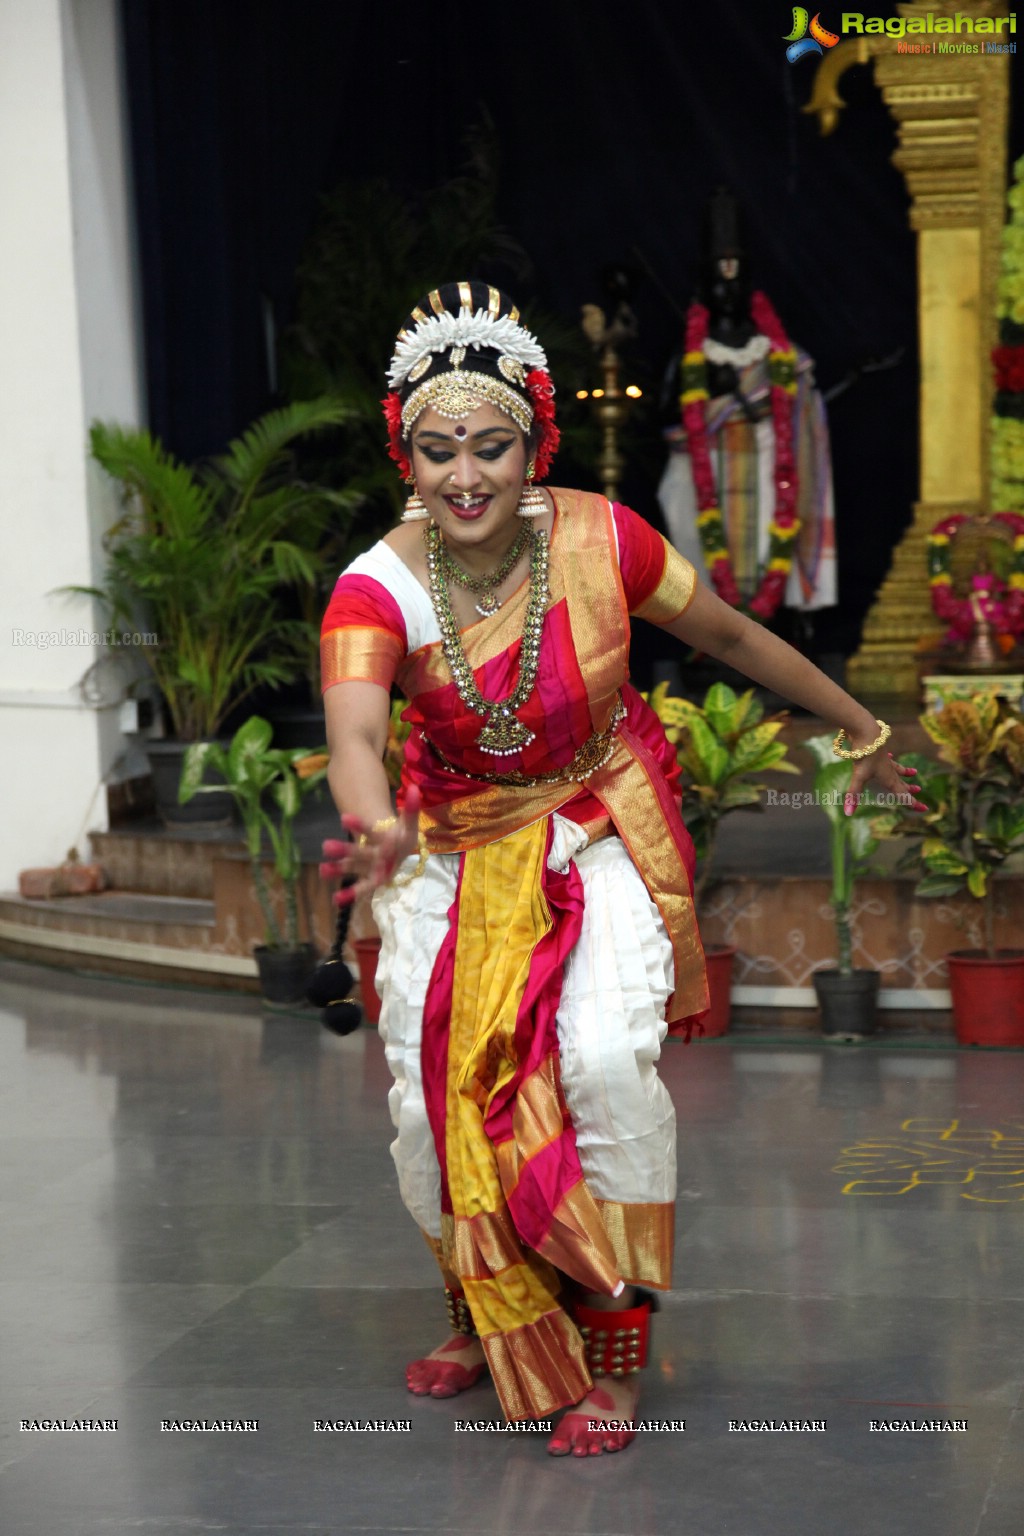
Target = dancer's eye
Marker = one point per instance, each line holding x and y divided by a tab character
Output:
438	455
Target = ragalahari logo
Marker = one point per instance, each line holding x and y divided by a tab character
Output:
926	31
800	43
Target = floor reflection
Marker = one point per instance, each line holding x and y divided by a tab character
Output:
201	1220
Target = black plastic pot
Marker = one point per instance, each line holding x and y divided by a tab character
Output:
285	973
847	1003
165	762
298	727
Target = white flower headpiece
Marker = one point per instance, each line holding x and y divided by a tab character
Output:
439	332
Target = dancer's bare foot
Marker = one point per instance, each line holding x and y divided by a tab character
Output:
610	1401
454	1366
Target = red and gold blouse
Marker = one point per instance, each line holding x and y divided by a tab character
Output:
606	565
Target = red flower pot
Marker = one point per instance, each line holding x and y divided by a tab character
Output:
718	961
988	996
367	951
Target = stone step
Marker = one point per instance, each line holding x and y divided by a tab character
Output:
125	932
158	860
131	915
150	859
141	933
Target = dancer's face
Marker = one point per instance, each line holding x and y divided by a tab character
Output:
470	473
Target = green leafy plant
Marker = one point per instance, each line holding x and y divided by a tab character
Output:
398	735
202	558
975	795
853	840
348	309
720	745
268	785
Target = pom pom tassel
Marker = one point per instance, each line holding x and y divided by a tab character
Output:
332	981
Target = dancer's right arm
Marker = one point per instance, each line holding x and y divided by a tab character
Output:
357	715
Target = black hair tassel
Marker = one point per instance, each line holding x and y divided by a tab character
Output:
331	982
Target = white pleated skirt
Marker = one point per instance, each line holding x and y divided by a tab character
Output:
611	1023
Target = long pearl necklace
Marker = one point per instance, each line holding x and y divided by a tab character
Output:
504	734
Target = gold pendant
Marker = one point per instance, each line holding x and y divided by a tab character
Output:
504	733
488	604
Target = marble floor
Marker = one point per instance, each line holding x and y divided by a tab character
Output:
200	1221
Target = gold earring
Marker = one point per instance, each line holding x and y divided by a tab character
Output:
415	507
531	502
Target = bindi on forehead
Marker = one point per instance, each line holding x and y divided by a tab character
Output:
462	432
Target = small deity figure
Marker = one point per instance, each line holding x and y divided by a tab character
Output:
752	445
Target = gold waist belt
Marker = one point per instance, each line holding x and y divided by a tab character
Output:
593	754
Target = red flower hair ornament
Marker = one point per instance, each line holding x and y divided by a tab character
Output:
542	393
393	416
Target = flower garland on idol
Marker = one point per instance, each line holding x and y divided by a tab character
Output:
1004	613
785	524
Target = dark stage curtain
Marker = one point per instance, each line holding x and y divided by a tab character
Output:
614	124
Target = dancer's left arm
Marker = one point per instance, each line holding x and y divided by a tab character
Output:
711	625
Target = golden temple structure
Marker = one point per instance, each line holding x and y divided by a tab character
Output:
951	113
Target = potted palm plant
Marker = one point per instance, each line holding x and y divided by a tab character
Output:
974	831
847	995
720	744
268	786
198	566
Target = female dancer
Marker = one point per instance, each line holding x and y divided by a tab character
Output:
534	894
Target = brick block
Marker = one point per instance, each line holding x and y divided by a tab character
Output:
67	880
84	879
41	884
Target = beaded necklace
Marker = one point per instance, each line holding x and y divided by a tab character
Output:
504	734
486	585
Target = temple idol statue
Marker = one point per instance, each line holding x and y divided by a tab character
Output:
747	490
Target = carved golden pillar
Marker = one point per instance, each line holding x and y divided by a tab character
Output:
951	114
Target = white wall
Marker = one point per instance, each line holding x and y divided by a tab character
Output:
68	353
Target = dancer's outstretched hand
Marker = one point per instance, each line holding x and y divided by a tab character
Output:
889	775
375	852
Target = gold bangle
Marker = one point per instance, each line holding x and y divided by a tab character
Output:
378	826
852	754
420	867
